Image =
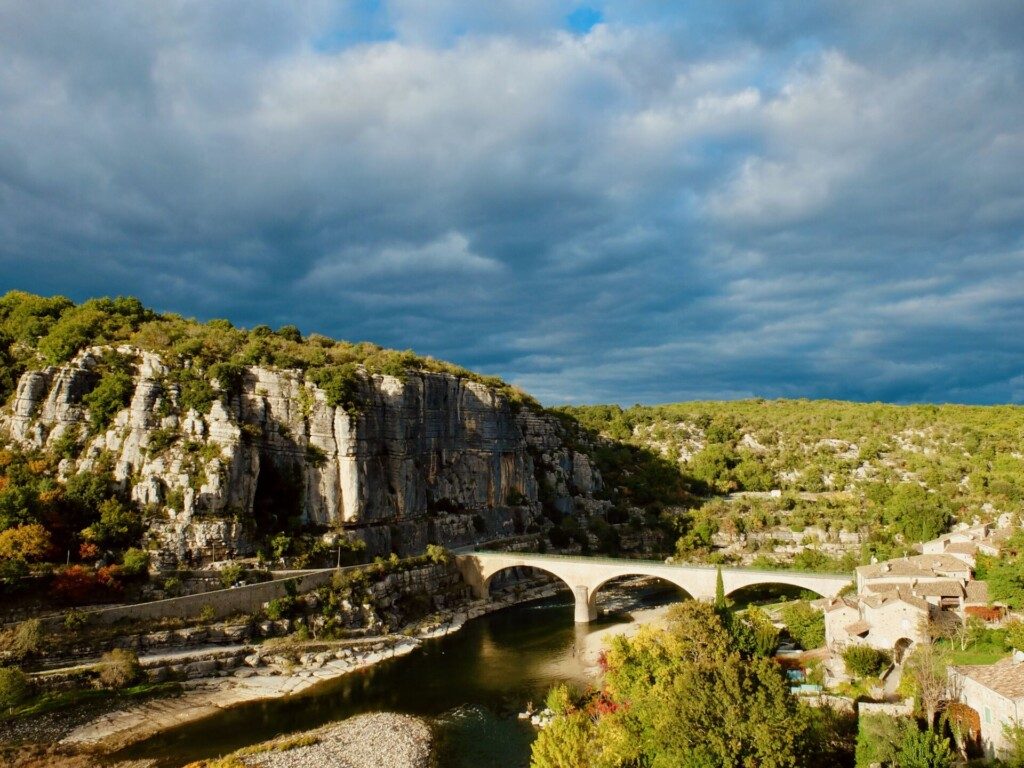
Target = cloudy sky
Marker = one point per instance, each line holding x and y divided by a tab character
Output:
621	201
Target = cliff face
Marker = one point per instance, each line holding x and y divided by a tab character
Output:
428	458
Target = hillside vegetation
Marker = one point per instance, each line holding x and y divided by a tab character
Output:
61	506
892	475
816	484
38	330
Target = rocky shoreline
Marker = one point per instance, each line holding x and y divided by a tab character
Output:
263	677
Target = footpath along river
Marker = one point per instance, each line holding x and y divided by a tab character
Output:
470	685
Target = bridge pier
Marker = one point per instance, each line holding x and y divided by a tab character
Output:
585	611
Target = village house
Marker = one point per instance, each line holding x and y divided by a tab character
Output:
968	542
891	621
898	600
996	694
906	571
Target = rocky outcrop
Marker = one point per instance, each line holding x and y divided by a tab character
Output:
430	457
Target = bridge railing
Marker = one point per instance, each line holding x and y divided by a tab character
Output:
661	563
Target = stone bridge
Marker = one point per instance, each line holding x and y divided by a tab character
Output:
586	575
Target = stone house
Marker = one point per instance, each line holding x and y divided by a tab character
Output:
916	569
892	620
896	620
897	600
841	613
996	693
967	542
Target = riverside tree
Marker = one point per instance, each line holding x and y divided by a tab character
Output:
685	697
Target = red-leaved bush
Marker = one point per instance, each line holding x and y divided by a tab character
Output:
76	585
88	551
110	577
79	585
604	705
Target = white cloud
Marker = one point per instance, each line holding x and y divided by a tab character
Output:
448	254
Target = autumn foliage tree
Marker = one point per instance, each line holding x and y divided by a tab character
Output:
28	543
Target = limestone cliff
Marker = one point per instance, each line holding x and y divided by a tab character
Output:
430	457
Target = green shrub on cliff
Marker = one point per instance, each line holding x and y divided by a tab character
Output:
195	392
135	562
26	317
119	668
340	384
112	393
438	554
97	321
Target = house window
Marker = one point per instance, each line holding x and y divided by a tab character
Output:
988	716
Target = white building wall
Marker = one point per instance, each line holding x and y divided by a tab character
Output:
836	621
893	621
994	710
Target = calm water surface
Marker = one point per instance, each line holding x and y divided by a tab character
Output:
470	685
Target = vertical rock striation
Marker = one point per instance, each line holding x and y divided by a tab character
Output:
431	457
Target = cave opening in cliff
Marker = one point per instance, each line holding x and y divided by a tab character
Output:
277	502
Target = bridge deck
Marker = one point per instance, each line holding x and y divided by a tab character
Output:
657	563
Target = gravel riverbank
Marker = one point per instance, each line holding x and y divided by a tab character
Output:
376	740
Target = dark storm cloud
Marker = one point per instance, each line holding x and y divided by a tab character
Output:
796	199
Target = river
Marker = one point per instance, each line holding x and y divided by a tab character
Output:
470	685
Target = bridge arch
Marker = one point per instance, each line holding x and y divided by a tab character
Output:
782	586
596	588
823	585
489	578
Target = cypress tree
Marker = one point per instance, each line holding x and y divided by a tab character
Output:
720	601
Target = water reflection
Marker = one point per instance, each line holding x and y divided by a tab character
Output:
471	684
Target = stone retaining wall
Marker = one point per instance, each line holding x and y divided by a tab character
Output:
892	709
222	602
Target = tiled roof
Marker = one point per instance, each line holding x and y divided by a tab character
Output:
881	588
977	592
858	628
948	588
896	593
963	548
1005	677
920	566
838	603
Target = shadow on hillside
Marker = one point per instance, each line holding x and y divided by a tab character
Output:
633	474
